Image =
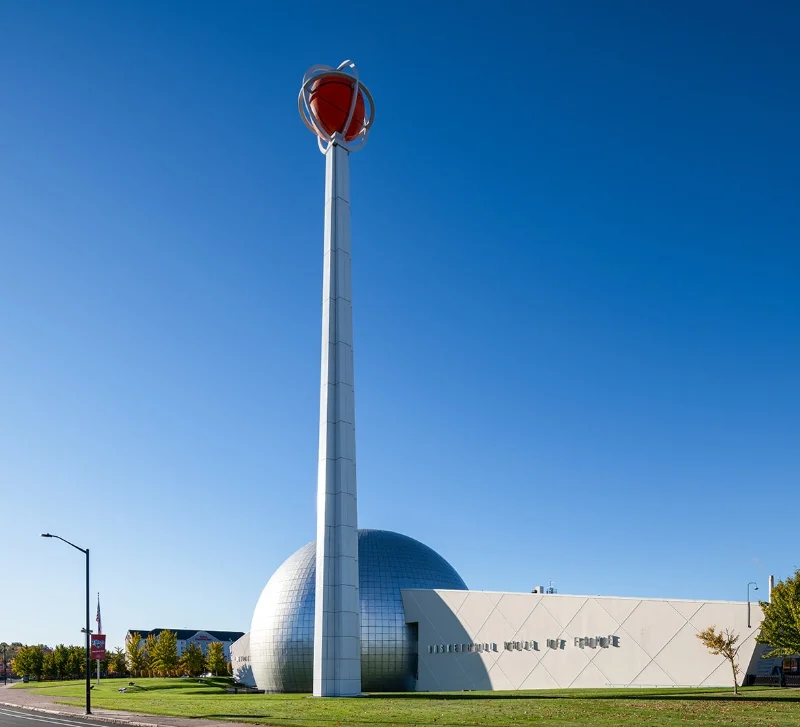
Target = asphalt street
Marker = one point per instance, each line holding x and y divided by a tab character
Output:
10	717
73	717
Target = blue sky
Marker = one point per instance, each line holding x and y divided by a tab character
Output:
576	286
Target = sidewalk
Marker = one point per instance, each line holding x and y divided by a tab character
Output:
40	703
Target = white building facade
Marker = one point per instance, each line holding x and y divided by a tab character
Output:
487	641
479	640
240	661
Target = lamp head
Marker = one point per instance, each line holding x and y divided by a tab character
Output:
46	535
755	588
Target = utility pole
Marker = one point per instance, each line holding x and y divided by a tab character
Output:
88	631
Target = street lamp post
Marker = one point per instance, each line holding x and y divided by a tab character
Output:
755	588
88	631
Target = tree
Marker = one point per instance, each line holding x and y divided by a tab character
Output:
781	625
76	661
135	654
215	661
150	655
193	661
723	643
49	665
117	663
164	660
61	661
21	662
105	663
29	660
10	650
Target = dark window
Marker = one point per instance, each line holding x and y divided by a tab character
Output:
413	657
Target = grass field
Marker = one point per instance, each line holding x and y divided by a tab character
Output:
765	707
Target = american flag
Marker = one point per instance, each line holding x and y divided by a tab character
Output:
97	618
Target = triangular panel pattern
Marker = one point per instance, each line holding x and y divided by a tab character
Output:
499	679
591	620
655	628
477	671
687	609
619	609
494	597
454	599
516	608
653	676
654	641
475	610
694	666
493	625
540	622
591	676
429	675
564	665
622	665
720	675
539	678
567	609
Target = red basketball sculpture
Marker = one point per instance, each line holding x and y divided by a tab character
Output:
336	106
330	99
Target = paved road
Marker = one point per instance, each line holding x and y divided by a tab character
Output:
39	714
10	717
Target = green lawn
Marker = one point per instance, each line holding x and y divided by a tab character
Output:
765	707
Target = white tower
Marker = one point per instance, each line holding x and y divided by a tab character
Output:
339	110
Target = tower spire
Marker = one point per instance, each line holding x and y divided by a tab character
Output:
339	110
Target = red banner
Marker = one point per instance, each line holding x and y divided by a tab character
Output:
98	650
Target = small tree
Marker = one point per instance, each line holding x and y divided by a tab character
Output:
29	660
193	662
165	653
215	661
781	625
150	654
135	654
723	643
117	662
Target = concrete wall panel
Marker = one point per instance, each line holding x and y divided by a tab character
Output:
479	640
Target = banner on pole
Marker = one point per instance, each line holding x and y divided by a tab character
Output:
98	650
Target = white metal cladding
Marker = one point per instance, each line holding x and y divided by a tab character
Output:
337	630
282	634
528	641
337	668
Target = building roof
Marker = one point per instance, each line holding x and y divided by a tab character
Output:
186	634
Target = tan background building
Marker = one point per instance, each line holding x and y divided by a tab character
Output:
189	636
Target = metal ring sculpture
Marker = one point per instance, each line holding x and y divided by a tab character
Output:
311	118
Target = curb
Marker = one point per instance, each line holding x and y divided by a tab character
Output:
96	717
